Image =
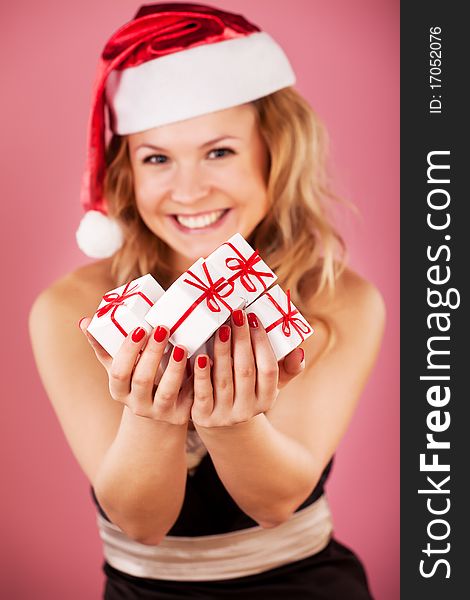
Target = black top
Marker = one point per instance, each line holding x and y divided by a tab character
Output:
209	509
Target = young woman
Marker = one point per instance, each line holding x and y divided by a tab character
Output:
209	486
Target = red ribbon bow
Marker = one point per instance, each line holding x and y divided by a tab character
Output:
116	300
288	319
244	267
212	294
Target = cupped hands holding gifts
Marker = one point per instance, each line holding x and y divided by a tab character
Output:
244	379
241	381
138	363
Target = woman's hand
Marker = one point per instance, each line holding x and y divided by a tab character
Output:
246	377
133	372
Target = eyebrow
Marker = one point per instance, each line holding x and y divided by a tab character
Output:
209	143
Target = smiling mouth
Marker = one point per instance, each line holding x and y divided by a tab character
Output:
201	221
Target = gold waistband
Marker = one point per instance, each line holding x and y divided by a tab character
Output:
221	556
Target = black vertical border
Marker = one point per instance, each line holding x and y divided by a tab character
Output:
421	133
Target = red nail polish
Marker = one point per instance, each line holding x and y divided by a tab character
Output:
80	322
138	334
178	354
302	356
238	317
160	334
201	361
224	333
253	320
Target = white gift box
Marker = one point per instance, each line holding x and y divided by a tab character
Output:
122	310
195	306
239	263
285	326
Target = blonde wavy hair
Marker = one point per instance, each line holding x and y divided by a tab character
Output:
296	238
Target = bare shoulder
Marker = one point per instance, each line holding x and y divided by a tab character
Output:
355	311
357	302
78	292
353	294
360	311
74	380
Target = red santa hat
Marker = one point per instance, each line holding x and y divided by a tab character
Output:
173	61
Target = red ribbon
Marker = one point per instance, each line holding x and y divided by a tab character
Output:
116	300
245	268
288	319
212	294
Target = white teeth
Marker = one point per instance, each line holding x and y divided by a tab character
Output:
201	221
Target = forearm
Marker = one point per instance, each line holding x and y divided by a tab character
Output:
267	473
141	481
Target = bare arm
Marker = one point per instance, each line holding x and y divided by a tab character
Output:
141	480
267	473
135	464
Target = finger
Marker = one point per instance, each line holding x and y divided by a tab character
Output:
203	403
162	366
101	354
123	364
267	370
244	368
290	366
145	372
186	395
170	383
222	375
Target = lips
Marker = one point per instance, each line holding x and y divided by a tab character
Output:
200	222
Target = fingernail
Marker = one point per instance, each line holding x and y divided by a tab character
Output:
201	361
238	317
178	353
160	334
224	333
138	334
80	322
253	320
302	356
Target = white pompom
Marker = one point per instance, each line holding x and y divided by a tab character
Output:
98	236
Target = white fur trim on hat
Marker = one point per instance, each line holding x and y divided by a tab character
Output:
98	236
197	81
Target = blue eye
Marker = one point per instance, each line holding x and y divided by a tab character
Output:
221	152
161	159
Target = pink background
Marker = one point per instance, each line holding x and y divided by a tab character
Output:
346	55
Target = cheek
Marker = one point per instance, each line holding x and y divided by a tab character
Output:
251	184
142	202
147	194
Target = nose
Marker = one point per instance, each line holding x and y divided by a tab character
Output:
188	185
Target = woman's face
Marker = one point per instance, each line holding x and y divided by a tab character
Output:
199	181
